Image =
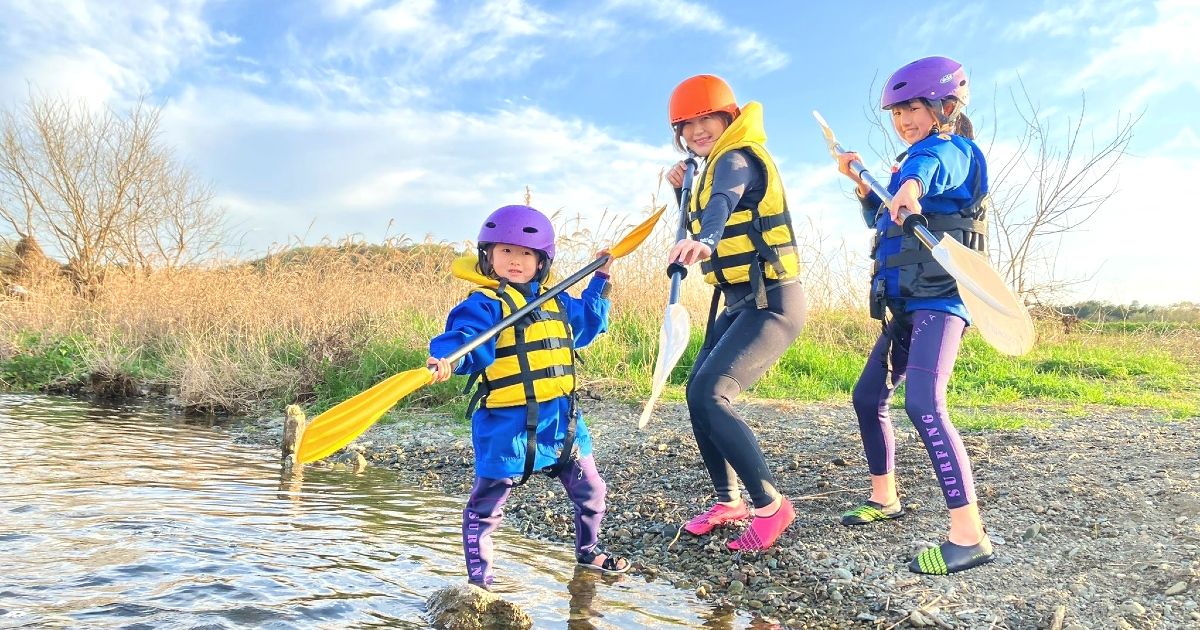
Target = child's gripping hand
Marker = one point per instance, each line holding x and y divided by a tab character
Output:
441	368
604	269
909	196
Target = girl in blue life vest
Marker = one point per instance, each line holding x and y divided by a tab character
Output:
741	234
526	419
943	175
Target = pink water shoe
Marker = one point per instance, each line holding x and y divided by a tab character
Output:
765	530
718	514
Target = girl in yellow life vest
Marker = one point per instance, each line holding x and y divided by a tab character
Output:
526	418
742	236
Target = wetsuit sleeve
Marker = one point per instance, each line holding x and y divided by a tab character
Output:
870	207
588	313
472	316
939	165
733	174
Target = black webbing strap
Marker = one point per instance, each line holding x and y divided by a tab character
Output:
531	404
713	308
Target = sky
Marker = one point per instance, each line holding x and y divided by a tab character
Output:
380	118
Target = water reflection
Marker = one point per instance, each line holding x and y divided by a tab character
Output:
126	517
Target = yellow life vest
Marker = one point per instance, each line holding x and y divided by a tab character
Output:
535	358
758	240
535	363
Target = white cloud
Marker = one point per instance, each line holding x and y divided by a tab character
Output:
101	53
435	172
340	8
1096	18
752	53
1134	245
418	41
404	18
1151	59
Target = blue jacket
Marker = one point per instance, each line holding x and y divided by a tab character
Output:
498	434
949	167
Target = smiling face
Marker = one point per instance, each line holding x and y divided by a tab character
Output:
700	133
913	120
515	263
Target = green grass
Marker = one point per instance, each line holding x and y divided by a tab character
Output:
1115	367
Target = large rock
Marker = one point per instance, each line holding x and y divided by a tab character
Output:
467	607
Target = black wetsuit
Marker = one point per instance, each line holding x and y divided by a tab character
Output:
740	346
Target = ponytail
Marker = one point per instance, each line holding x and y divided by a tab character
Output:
964	127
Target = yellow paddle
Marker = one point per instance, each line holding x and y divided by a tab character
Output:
347	420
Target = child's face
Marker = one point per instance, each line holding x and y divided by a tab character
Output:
913	121
515	263
701	133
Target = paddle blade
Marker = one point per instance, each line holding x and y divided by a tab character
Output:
347	420
830	139
634	238
995	311
672	341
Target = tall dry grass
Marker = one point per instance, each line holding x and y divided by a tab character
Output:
318	323
230	336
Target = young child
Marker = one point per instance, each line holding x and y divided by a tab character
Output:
740	231
525	418
943	175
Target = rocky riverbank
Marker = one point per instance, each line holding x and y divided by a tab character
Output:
1096	519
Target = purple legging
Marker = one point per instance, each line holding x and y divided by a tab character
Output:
923	353
484	511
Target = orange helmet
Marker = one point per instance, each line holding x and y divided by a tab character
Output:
700	95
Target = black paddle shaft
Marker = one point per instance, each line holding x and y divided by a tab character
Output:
676	270
527	309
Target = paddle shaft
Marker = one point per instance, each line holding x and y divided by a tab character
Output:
482	337
685	197
913	223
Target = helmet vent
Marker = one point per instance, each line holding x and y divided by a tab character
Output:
899	85
490	224
529	230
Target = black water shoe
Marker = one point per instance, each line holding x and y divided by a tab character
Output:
950	558
870	511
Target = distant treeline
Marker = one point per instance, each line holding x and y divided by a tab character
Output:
1101	311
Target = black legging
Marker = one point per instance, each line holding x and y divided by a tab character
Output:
742	346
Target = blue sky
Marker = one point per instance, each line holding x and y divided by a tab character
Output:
374	117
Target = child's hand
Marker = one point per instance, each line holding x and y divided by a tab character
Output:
687	252
441	368
843	161
909	196
608	264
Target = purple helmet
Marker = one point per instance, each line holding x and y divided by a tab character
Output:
931	78
519	225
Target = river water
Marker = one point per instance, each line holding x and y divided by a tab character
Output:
129	517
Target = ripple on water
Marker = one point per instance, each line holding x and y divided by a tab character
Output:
134	519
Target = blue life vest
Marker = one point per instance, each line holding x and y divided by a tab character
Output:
953	173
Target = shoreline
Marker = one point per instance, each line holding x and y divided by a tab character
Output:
1096	520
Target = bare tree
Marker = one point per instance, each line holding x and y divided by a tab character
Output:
101	189
1050	186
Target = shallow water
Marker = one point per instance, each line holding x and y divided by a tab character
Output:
129	517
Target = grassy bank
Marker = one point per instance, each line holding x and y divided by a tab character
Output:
322	326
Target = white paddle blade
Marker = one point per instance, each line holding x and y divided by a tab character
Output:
995	311
672	341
